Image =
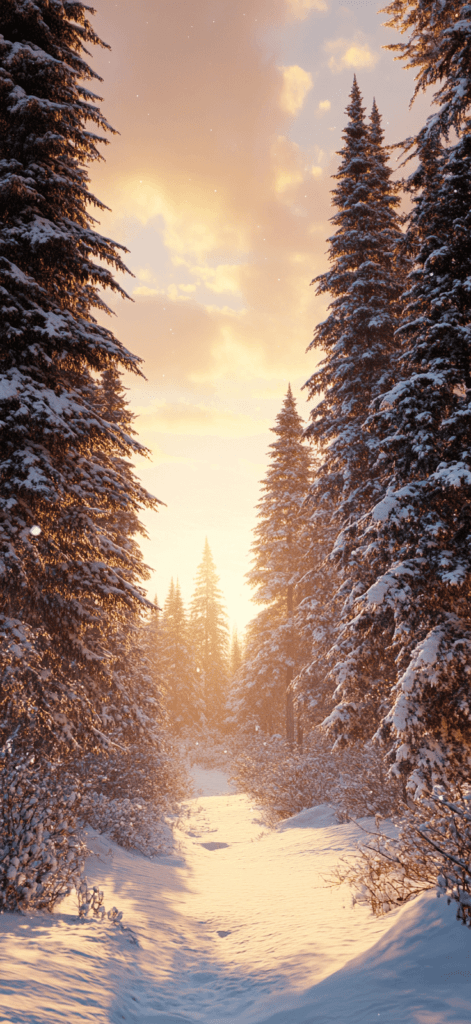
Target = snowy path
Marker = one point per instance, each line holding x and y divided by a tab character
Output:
237	927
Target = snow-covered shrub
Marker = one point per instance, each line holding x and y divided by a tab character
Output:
285	781
130	800
431	849
41	855
140	771
134	824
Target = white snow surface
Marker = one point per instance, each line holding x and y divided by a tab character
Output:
237	925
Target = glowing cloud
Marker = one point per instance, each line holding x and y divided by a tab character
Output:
287	163
183	418
301	8
296	84
324	106
350	53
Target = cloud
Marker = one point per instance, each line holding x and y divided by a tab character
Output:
287	164
350	53
324	106
301	8
219	279
198	419
224	215
296	84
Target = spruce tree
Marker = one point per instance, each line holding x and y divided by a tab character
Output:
361	353
209	635
65	572
278	553
177	665
421	527
258	690
358	335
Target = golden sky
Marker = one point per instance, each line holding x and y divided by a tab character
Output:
230	114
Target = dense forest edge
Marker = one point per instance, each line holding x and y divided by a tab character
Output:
352	684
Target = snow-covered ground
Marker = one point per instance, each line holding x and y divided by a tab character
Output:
237	925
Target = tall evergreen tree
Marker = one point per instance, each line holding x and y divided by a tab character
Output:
258	688
177	664
358	335
361	350
278	549
419	533
209	634
65	573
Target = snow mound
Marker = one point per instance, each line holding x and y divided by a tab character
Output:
418	972
322	816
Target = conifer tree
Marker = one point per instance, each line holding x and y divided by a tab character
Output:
278	548
358	335
361	352
178	664
209	635
65	572
258	690
421	527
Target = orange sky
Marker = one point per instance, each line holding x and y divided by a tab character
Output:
230	113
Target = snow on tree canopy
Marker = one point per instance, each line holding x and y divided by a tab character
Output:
418	539
278	552
63	462
360	352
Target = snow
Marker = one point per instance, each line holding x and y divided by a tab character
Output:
236	925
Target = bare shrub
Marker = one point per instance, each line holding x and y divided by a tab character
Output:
432	849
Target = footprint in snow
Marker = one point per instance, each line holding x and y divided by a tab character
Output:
214	846
222	935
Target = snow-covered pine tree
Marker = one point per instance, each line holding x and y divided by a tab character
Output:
258	688
209	636
133	765
278	552
182	697
65	574
358	339
318	614
423	523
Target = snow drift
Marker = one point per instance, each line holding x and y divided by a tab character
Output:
236	925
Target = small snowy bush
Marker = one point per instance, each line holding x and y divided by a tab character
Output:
41	856
133	824
432	849
285	781
130	799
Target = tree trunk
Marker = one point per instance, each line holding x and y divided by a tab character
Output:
289	671
289	708
300	735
